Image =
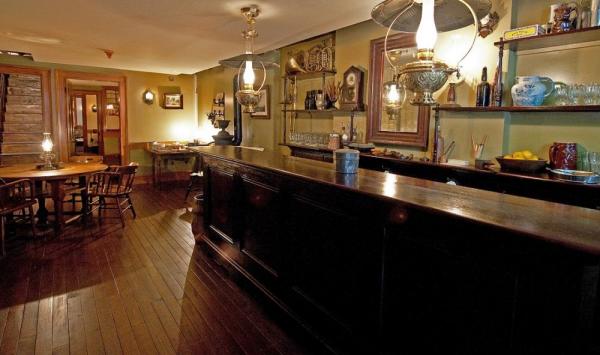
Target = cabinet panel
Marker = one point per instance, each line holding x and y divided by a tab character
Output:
334	260
447	291
262	214
222	203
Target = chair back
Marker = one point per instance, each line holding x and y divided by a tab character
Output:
116	180
15	193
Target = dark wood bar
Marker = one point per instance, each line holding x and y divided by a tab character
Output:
536	185
382	263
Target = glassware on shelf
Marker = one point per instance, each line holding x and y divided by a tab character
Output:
561	96
593	159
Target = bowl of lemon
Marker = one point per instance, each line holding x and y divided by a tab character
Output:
522	161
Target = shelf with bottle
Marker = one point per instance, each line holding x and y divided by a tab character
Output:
583	35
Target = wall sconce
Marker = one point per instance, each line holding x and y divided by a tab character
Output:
148	97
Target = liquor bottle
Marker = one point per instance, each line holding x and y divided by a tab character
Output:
483	90
307	101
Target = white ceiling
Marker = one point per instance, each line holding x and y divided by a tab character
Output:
165	36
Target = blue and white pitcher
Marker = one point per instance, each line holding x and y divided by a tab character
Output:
531	90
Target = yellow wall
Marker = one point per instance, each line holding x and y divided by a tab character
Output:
145	122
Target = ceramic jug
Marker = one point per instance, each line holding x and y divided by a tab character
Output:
531	90
563	156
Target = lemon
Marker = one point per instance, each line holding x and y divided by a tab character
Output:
527	154
508	156
518	155
535	157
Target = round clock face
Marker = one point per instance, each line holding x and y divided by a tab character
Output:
351	79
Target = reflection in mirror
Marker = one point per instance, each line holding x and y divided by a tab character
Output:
391	120
396	115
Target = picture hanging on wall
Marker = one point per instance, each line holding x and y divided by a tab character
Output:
173	101
262	109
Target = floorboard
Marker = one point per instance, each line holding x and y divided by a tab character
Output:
142	289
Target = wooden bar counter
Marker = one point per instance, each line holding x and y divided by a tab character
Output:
382	263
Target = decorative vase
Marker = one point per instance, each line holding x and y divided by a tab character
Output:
531	90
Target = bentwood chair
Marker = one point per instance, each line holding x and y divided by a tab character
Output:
73	188
16	203
110	190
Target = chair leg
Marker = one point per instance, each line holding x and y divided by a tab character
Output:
32	221
120	212
2	234
100	209
131	206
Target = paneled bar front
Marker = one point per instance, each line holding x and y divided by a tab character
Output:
382	263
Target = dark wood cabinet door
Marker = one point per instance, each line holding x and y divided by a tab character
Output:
262	215
468	289
221	196
334	261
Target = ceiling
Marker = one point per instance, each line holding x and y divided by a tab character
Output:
164	36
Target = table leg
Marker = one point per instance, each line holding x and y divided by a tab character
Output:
159	175
42	212
154	170
58	195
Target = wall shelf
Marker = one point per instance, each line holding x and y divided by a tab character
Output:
328	111
311	75
552	39
587	108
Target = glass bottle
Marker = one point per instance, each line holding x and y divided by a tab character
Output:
307	101
483	90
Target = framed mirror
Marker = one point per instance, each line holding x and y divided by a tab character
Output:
408	126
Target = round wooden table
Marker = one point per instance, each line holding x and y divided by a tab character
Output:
56	179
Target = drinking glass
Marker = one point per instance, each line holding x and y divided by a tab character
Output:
594	161
562	96
589	96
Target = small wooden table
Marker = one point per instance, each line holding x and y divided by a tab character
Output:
162	157
56	179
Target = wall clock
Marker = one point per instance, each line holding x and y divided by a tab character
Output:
352	97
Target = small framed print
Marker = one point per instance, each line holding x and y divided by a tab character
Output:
173	101
262	109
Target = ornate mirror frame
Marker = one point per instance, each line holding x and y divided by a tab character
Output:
377	66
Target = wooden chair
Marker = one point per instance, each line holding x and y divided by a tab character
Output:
73	188
16	201
114	184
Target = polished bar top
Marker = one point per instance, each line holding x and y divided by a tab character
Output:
573	227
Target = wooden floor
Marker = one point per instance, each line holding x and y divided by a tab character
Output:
142	289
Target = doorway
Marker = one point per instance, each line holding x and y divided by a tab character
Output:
92	117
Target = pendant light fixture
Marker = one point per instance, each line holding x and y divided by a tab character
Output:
426	75
247	95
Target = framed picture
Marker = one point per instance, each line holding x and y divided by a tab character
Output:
262	109
173	101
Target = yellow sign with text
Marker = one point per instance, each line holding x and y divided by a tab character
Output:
522	32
